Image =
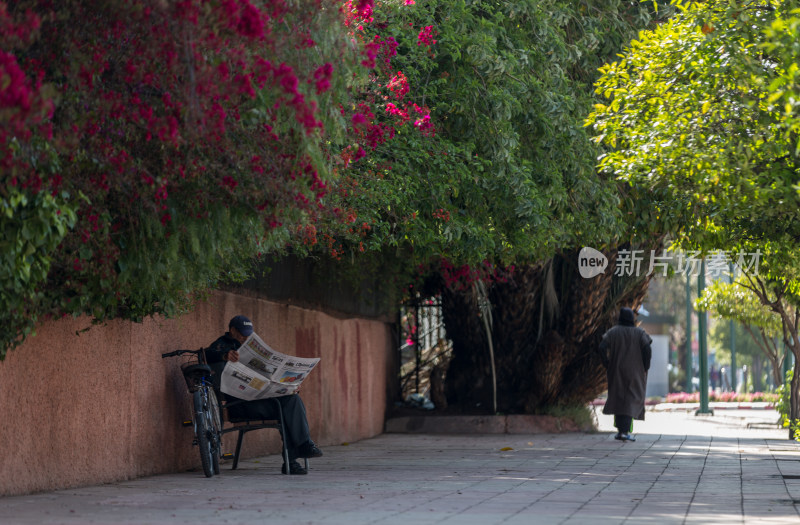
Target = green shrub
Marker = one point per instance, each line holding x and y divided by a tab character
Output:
784	406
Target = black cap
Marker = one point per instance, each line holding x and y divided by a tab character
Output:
242	324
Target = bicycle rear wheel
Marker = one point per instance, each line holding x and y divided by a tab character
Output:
215	429
201	428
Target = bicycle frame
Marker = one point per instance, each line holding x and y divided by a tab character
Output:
206	420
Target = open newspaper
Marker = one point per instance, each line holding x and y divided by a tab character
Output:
262	372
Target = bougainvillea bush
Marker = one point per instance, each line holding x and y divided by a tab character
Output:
727	397
152	149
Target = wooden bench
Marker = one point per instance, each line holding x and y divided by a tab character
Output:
243	426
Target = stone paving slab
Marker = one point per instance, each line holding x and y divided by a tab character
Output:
682	469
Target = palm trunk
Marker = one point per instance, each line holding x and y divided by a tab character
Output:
546	325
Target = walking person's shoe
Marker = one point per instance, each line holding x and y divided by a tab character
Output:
294	468
309	450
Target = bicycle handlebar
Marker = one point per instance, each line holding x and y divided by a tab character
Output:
180	352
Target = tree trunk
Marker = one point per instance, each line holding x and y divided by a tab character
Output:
758	373
789	320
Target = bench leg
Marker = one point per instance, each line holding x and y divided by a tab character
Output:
238	450
282	429
283	437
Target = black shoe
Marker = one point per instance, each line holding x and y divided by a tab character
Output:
309	450
294	468
619	436
627	437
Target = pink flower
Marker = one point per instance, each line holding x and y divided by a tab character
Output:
250	22
245	83
360	154
223	71
304	113
322	77
398	85
397	112
364	9
15	90
287	78
425	37
424	123
371	51
229	181
359	120
388	50
262	69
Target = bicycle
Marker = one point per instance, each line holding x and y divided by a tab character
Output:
206	418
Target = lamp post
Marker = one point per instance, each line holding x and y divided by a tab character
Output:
689	373
702	321
733	338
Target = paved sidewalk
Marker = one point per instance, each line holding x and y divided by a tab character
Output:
681	469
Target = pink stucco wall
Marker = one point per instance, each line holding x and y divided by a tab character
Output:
101	405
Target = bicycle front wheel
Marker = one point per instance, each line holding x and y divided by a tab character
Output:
201	428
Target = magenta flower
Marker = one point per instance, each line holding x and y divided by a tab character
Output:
425	37
398	85
250	22
371	51
322	77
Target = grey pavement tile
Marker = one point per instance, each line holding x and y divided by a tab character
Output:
595	520
771	518
528	519
721	520
546	508
665	512
762	492
651	499
606	509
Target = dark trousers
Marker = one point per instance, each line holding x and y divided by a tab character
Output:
294	417
623	423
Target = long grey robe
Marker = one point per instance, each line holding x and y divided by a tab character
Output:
628	351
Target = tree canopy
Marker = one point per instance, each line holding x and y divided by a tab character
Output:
703	110
696	110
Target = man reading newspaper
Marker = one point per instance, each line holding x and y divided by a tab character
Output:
261	401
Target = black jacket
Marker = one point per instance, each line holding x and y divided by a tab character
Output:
216	352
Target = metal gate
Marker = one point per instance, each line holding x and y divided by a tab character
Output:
424	348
